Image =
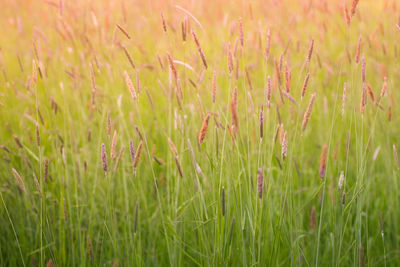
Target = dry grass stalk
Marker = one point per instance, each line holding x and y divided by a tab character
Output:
192	155
341	181
370	93
278	73
288	96
288	77
203	57
113	145
118	158
347	15
159	161
268	44
310	51
172	68
46	169
138	153
178	166
241	34
124	31
129	57
37	185
229	57
281	132
37	135
384	88
164	25
304	88
284	145
17	141
5	148
322	163
231	134
34	72
19	180
343	197
376	153
260	182
248	78
307	114
363	69
130	86
185	28
203	130
268	91
234	114
173	147
104	157
353	7
132	153
363	99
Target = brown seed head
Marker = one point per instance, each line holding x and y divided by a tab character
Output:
46	169
138	153
203	130
310	50
268	92
229	58
307	114
164	25
130	86
303	90
322	163
353	7
104	157
20	182
196	40
260	182
284	145
113	145
268	44
172	67
241	34
173	147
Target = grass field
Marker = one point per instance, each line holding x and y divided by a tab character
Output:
199	133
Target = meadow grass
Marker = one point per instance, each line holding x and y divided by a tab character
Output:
132	135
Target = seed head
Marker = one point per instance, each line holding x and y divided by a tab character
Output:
322	163
260	182
307	114
104	157
203	130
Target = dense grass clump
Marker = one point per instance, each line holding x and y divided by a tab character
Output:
199	133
